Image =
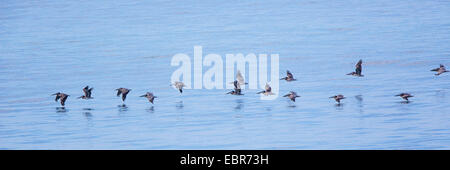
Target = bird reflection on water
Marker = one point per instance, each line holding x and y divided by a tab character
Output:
122	108
150	109
239	105
61	110
179	105
360	105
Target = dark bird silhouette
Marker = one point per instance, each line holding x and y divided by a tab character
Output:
179	86
358	70
338	98
289	76
440	70
62	97
267	91
292	95
149	96
237	89
87	93
405	96
124	92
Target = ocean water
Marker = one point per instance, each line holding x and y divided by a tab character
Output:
61	46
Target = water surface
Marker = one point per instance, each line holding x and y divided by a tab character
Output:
51	46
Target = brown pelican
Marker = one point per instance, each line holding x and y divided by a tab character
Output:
237	89
338	98
149	96
62	97
179	86
440	70
405	96
292	95
267	91
124	92
358	70
87	93
289	76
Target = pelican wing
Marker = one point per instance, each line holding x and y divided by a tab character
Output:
289	74
240	78
359	67
57	97
63	99
119	91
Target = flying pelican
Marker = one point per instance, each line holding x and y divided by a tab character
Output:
149	96
338	98
292	95
267	91
289	76
405	96
62	97
124	92
440	70
358	70
87	93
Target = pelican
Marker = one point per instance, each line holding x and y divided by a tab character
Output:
149	96
405	96
87	93
292	95
124	92
289	76
338	98
62	97
440	70
267	91
358	70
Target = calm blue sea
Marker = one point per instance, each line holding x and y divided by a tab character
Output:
51	46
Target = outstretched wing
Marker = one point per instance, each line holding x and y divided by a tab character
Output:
124	96
86	91
359	67
150	95
63	99
240	78
179	85
151	99
289	74
119	91
57	97
89	92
